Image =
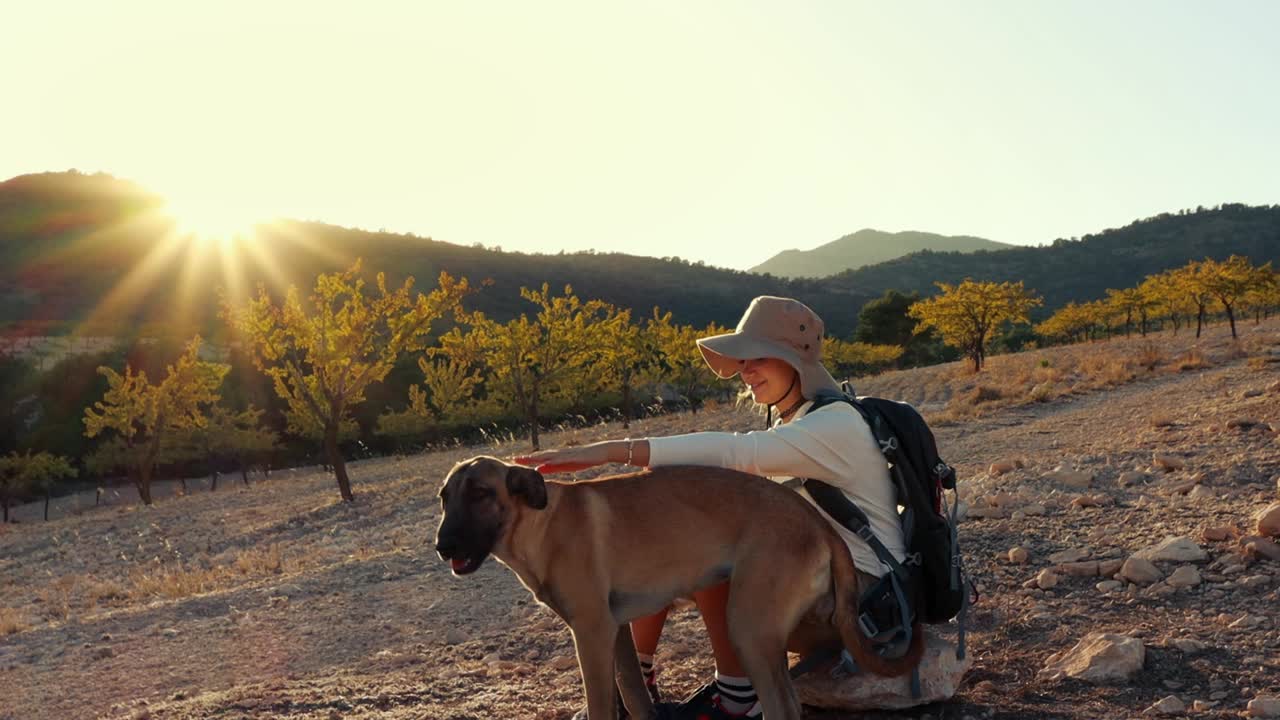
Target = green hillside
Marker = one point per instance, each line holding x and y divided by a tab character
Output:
1083	269
97	252
866	247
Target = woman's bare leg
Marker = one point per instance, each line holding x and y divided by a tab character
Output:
646	631
712	603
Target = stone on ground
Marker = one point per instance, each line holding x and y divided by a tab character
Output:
940	676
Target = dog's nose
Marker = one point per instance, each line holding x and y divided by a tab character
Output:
446	547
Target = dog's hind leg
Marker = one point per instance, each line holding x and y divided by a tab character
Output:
762	611
595	643
630	682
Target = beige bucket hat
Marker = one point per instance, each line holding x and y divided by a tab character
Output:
773	327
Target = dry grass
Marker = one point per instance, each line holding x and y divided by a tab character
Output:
1192	359
12	622
952	392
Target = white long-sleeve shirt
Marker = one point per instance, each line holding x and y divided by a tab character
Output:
832	444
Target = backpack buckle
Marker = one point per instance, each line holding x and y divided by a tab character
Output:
888	446
913	559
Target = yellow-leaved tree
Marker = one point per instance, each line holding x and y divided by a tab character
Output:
682	362
629	355
323	354
846	359
966	314
531	364
31	473
142	420
238	436
1231	280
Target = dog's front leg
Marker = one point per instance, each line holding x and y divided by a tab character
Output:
594	642
630	682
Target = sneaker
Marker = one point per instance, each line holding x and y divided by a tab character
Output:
705	705
654	695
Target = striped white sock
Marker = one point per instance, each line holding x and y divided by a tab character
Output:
737	695
647	667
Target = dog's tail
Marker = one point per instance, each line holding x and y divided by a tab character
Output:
845	587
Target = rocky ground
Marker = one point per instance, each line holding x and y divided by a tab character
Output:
277	601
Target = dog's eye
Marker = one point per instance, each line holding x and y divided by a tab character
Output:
479	495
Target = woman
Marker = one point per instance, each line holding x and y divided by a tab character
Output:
777	348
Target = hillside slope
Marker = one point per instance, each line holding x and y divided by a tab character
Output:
867	247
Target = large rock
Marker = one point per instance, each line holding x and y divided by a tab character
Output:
1098	658
1264	707
1174	549
940	676
1140	571
1269	520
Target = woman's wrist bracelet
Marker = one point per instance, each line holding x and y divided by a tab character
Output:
630	449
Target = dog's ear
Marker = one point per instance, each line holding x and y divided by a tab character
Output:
528	485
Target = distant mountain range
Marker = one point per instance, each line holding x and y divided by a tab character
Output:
867	247
97	253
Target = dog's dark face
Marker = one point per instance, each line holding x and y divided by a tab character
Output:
479	498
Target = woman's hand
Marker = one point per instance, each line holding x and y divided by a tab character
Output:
566	459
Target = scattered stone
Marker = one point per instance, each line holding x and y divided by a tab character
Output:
1047	579
1170	705
1131	477
1254	582
1002	467
563	662
1247	622
1168	463
1202	705
1184	576
1067	556
1070	478
1241	423
1174	549
1034	510
1019	555
1109	586
1188	645
940	676
1264	707
1107	568
1200	492
1217	533
169	632
1252	393
1261	547
1086	568
1268	520
1140	571
1098	657
455	636
103	653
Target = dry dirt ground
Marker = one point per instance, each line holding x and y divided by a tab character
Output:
278	601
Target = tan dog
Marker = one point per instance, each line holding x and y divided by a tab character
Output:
601	553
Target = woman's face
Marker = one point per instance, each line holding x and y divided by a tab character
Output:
769	379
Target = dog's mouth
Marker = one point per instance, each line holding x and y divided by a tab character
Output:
465	566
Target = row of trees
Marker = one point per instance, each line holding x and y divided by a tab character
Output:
1196	290
324	357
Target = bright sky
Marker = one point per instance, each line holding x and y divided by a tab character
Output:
716	131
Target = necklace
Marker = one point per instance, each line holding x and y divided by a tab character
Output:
786	414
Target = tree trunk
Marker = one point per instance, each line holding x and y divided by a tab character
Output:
143	481
1231	317
626	404
335	460
533	421
213	481
46	506
244	473
1199	321
5	502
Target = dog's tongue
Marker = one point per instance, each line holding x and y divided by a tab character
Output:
457	564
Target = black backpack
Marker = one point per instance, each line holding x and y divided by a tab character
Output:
929	585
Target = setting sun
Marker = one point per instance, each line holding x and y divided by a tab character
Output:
209	216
